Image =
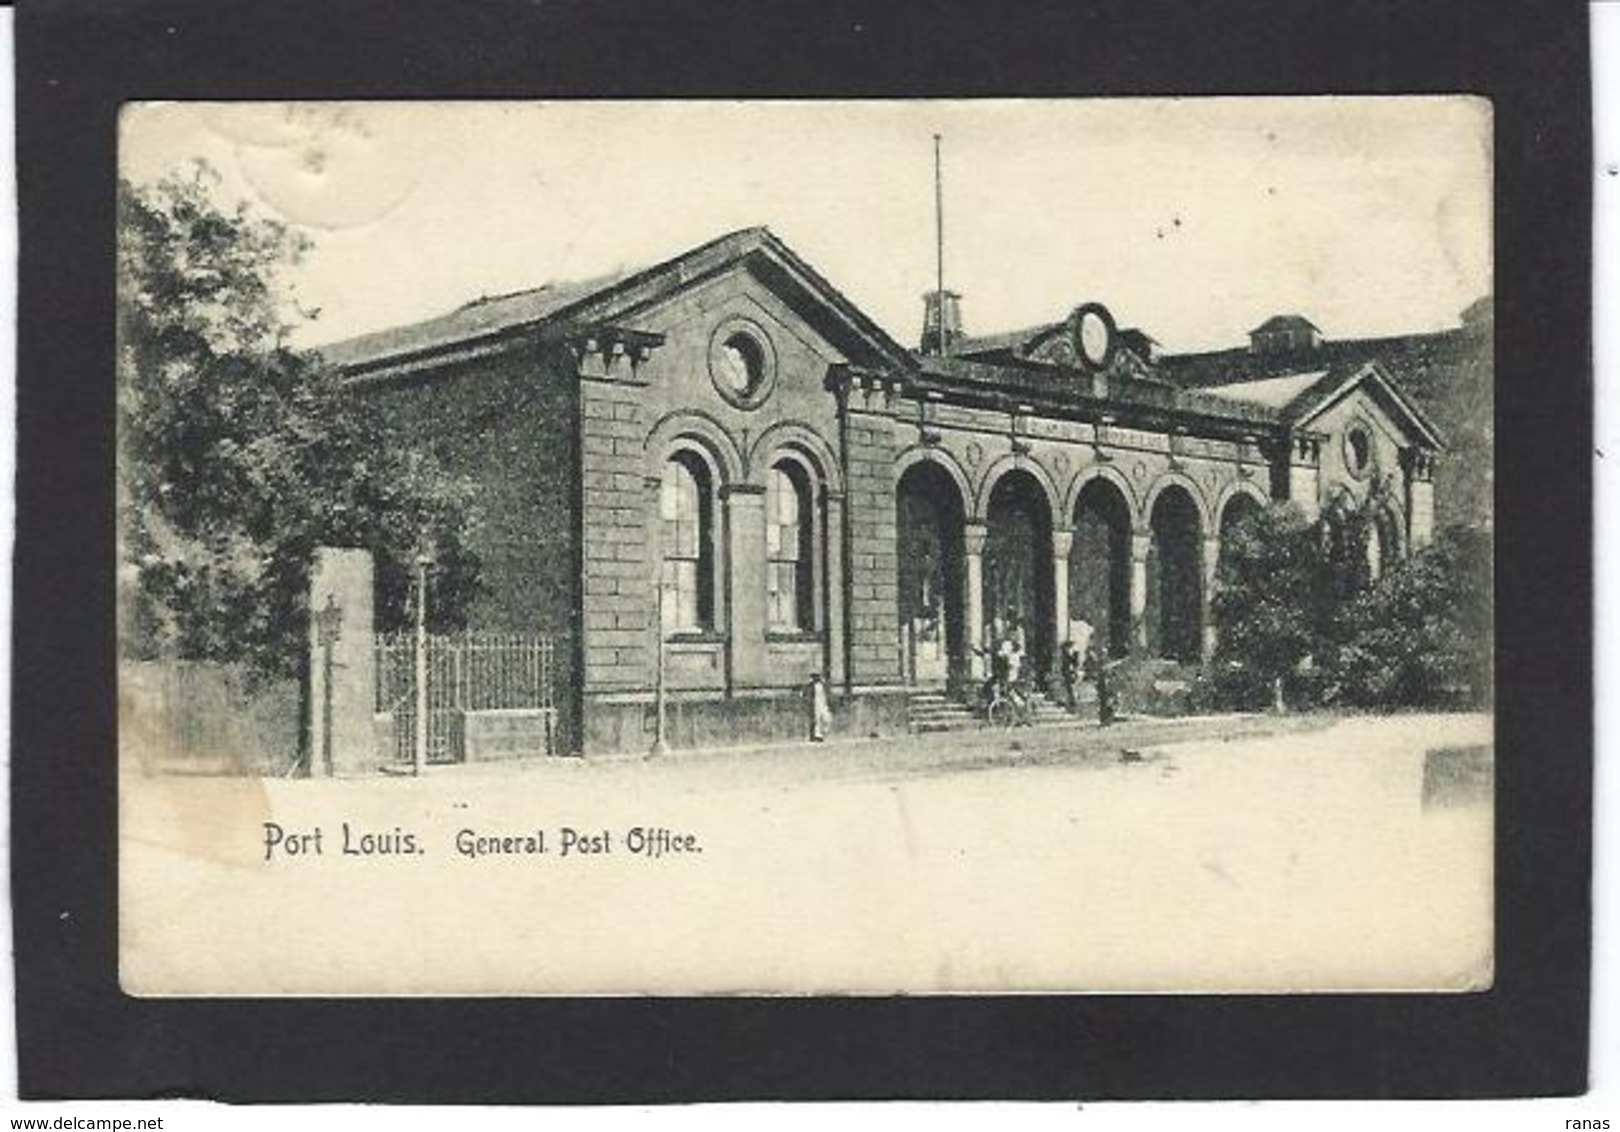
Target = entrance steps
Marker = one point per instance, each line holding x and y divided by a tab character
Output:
935	711
932	712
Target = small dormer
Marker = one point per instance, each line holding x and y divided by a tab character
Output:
1285	334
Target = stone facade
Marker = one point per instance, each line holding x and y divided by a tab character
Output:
710	476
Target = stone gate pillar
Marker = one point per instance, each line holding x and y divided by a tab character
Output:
342	664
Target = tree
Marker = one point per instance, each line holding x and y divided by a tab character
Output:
1420	635
1271	587
1298	605
239	455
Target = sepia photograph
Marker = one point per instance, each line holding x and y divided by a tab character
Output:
870	547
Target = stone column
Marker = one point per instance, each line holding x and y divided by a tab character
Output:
973	536
1141	543
1420	502
1212	559
745	582
1304	479
1062	543
833	585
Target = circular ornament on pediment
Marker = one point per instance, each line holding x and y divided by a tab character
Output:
1093	334
742	362
974	454
1359	455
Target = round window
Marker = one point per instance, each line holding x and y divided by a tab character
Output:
1358	451
741	362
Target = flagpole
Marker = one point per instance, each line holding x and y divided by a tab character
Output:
939	250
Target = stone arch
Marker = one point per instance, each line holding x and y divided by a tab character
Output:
799	584
930	510
1173	611
1011	462
1239	488
701	433
1102	517
1019	574
797	438
1387	532
1108	472
924	453
1186	483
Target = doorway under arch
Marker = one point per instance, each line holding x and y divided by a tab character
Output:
1174	612
930	512
1238	510
1018	574
1100	566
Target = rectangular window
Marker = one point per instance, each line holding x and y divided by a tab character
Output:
783	584
787	550
684	517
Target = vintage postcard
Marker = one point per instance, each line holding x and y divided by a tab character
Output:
665	548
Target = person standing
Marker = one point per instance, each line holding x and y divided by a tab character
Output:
1071	675
1105	694
820	709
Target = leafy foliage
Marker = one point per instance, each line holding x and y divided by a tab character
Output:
1268	602
1420	634
239	455
1297	602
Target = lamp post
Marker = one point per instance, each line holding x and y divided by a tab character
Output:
328	631
660	744
419	746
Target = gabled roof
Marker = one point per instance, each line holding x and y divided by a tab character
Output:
622	295
1274	392
1281	322
1300	398
480	317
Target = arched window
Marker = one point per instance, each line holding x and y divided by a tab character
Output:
789	549
686	510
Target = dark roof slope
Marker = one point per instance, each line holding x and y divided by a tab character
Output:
476	319
1004	343
1059	388
1448	375
1400	354
607	298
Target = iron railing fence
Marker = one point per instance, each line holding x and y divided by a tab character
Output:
466	672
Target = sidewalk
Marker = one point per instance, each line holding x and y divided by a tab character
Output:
1082	741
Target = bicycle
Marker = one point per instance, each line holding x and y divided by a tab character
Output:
1007	708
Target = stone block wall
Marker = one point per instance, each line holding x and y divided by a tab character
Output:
507	422
617	576
874	642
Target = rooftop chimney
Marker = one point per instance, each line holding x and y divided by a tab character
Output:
942	321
